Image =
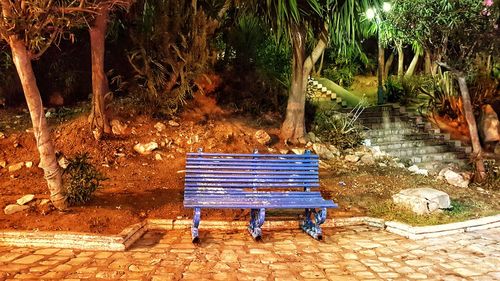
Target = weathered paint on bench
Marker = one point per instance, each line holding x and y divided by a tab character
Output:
256	182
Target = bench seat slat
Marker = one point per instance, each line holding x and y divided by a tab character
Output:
257	173
251	168
277	203
252	185
251	161
194	177
193	193
252	179
230	155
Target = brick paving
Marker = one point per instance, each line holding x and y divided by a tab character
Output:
351	253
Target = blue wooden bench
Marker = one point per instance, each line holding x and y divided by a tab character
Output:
256	182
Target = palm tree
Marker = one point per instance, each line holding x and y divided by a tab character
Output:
303	23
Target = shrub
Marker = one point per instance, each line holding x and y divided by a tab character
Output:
82	179
342	74
339	129
406	89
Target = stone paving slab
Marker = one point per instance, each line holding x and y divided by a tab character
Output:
348	253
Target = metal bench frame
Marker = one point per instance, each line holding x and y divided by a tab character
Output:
224	180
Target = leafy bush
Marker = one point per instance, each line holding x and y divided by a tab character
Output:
342	75
82	179
406	89
340	129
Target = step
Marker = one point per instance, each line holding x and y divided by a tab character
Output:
408	144
390	132
401	138
418	151
442	157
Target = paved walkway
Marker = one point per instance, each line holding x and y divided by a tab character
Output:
353	253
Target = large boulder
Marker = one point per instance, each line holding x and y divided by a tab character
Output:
489	124
422	200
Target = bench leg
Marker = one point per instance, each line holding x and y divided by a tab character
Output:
311	227
257	217
196	224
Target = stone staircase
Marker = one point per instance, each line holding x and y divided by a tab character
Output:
317	92
409	137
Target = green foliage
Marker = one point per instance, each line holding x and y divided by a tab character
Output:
172	51
406	89
82	179
339	129
343	75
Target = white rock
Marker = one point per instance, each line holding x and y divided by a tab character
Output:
284	151
172	123
44	202
262	137
323	165
117	127
25	199
416	170
16	167
3	163
334	150
455	179
28	164
158	157
2	135
422	200
62	161
312	137
323	151
145	148
368	159
14	208
352	158
160	126
298	150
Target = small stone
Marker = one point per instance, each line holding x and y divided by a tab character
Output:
262	137
28	164
368	159
2	135
158	157
117	127
352	158
14	208
145	148
160	126
44	202
455	179
25	199
63	162
312	137
298	150
489	125
323	151
172	123
334	150
3	163
284	151
323	165
16	167
416	170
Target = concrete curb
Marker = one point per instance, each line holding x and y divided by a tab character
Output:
420	232
123	240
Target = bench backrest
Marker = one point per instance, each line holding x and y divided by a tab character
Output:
214	171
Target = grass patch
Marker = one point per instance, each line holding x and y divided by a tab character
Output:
461	210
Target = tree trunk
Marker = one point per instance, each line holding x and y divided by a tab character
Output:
428	62
471	121
48	162
381	63
413	64
388	65
98	120
294	125
401	58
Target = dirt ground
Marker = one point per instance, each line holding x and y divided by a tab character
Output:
140	187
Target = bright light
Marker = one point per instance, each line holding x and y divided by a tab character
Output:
386	6
370	13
